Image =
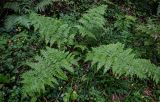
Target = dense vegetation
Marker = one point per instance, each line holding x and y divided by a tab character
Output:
79	50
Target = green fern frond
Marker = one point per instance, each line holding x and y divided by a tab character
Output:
13	20
52	30
92	21
41	6
13	6
151	28
10	22
46	70
122	62
20	6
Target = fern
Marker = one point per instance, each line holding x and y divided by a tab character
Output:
20	6
92	22
13	20
152	27
47	70
52	30
13	6
122	62
41	6
58	31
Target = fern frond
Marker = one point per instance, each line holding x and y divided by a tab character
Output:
12	5
52	30
19	6
92	21
13	20
10	22
41	6
151	28
122	62
47	69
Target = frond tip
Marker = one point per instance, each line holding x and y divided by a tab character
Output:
41	6
122	62
47	69
92	21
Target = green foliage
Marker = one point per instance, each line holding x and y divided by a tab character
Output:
84	62
52	30
41	6
152	28
1	96
15	50
46	70
3	79
13	21
70	95
158	9
96	95
13	6
92	22
20	6
122	62
59	32
23	6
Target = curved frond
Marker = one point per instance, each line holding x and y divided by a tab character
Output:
122	62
